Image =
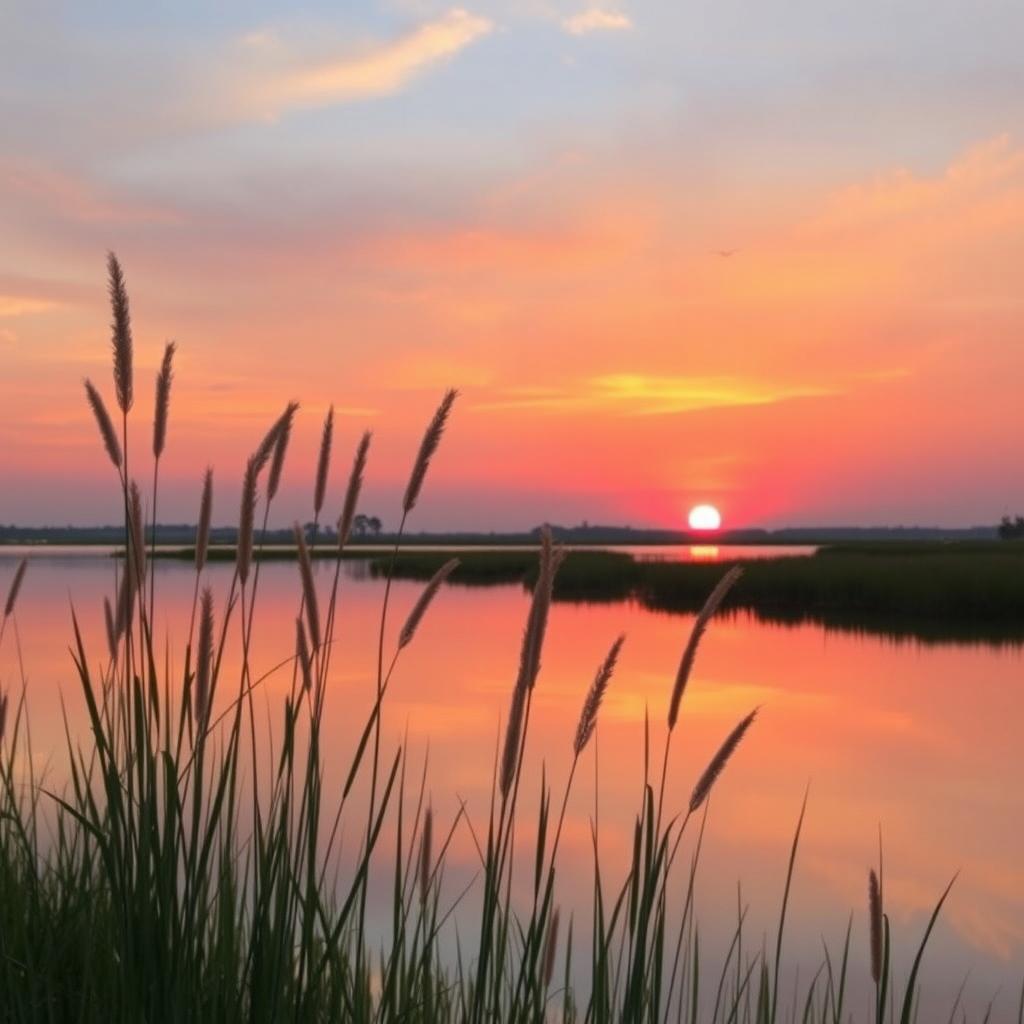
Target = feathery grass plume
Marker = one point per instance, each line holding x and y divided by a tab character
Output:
419	609
875	913
270	438
125	604
431	439
121	334
12	593
283	429
355	484
3	715
529	659
718	762
323	462
426	855
137	533
205	515
308	589
103	421
591	706
108	621
513	736
246	518
537	624
302	652
706	614
204	659
163	400
550	947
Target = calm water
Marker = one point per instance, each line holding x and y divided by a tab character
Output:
922	741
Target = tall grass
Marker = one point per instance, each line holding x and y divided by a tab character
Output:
181	876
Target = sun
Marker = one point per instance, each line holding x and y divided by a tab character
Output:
705	517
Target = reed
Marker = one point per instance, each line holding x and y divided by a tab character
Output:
875	919
280	434
302	653
15	588
309	597
205	519
106	426
121	334
427	595
323	463
204	661
246	520
595	695
174	878
352	491
700	625
162	404
717	764
428	446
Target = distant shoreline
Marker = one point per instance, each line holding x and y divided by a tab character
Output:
580	536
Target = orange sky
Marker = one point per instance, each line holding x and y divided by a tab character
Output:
856	359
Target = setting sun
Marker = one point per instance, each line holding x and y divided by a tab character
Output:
704	517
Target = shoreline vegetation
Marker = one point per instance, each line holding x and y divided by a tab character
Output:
183	875
970	591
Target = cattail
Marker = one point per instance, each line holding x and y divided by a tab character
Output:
323	462
205	515
308	589
12	593
121	334
718	762
3	715
549	950
529	659
163	400
103	421
711	605
302	653
419	609
426	856
588	716
355	483
283	429
125	604
108	619
243	554
875	913
137	535
431	439
270	439
204	659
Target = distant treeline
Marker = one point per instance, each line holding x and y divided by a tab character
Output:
184	533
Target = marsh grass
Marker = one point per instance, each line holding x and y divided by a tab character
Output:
177	876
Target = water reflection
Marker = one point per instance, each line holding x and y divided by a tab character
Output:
922	741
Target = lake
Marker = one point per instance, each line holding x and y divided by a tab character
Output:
920	741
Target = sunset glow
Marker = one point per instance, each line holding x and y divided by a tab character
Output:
366	208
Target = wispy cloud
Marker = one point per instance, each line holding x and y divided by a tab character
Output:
644	395
23	305
596	19
380	69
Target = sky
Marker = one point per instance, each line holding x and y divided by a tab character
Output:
766	254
